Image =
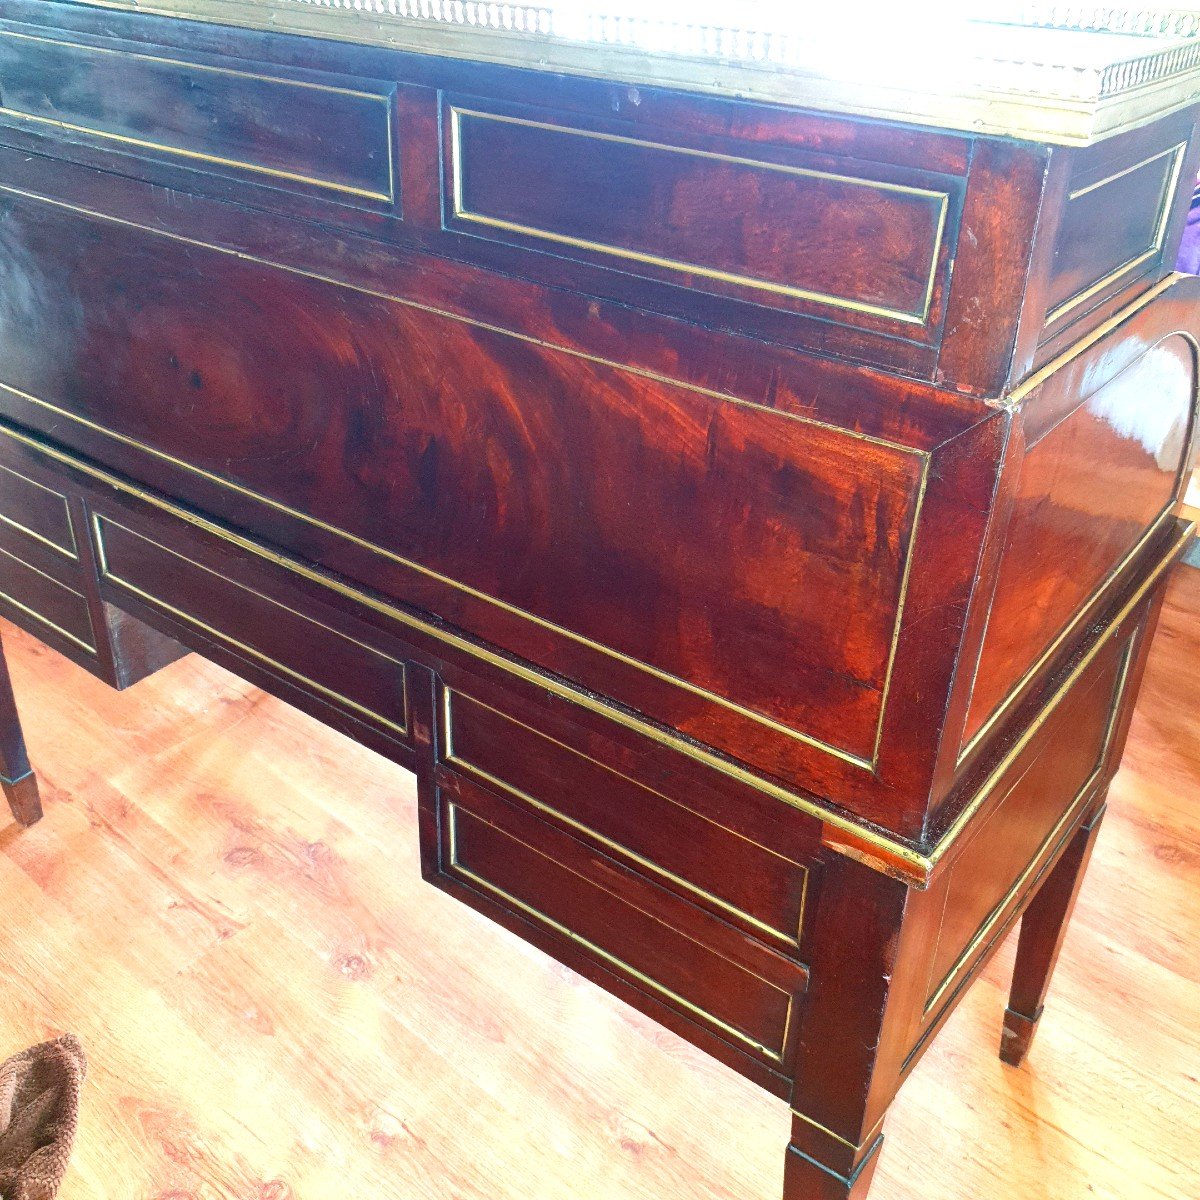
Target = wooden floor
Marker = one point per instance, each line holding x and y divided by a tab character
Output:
224	903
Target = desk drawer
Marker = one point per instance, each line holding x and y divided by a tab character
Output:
298	649
573	789
53	610
742	223
614	920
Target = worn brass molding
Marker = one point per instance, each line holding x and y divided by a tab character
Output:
465	767
457	870
912	317
75	639
835	1136
99	520
71	552
922	456
1132	264
985	71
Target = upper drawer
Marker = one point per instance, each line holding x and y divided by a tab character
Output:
255	126
848	241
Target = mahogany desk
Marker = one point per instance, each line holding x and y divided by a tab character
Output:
739	480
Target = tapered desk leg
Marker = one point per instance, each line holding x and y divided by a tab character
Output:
1043	928
19	782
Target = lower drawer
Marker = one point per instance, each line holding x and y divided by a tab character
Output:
599	915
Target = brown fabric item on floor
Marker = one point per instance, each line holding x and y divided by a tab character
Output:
39	1111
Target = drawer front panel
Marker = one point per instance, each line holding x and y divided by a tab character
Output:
1088	492
1113	229
619	920
1003	855
291	134
737	571
345	672
44	605
772	233
36	511
655	835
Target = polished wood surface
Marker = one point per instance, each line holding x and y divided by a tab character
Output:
224	903
719	549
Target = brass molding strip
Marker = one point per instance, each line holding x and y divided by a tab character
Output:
911	317
460	871
837	1137
1036	865
387	197
73	552
1164	219
37	616
471	771
1163	518
107	573
923	456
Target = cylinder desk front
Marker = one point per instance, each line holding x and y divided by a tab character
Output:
737	476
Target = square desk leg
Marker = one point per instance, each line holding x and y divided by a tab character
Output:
1043	928
16	777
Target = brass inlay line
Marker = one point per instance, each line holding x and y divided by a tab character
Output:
37	616
472	322
915	865
107	573
421	569
387	196
73	551
1164	218
1018	395
471	770
922	456
1037	863
612	960
912	317
896	852
283	80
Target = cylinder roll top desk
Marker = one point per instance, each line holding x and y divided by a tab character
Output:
735	468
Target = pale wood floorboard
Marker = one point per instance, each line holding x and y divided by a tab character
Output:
224	903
